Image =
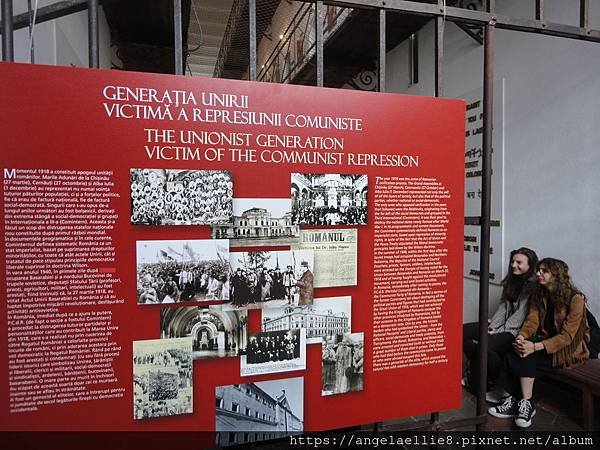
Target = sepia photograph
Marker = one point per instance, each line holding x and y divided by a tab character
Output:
335	254
180	197
215	333
325	317
329	199
162	378
182	271
259	411
342	363
271	278
273	352
259	222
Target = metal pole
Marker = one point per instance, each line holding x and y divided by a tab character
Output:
93	54
8	50
539	10
252	26
31	24
584	13
382	51
486	188
178	37
319	41
439	56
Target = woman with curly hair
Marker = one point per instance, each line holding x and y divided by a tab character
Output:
505	323
554	335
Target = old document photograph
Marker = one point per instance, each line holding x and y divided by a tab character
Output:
329	199
335	253
259	411
259	222
182	271
215	333
325	317
342	363
180	197
273	352
162	378
266	279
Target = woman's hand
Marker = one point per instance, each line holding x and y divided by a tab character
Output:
523	347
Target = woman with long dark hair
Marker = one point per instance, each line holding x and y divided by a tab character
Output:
505	323
554	335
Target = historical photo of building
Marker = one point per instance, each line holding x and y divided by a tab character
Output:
325	317
271	279
329	199
180	197
273	352
335	252
342	363
259	411
162	378
179	271
259	221
215	333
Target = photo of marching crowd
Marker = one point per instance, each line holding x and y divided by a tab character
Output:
162	378
275	351
329	199
180	271
342	363
181	197
271	279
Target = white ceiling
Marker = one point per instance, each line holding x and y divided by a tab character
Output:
208	20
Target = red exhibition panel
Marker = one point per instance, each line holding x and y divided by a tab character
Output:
78	147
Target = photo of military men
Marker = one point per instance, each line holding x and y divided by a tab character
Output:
271	279
342	363
181	197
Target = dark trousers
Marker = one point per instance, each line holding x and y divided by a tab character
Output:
499	344
533	366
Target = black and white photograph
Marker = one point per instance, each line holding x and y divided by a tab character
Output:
259	222
266	279
180	197
162	378
342	363
336	255
182	271
325	317
259	411
274	352
329	199
215	333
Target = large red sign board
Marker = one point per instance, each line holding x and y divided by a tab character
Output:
62	122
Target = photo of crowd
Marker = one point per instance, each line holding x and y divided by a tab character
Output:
329	199
180	197
342	363
162	378
271	279
180	271
275	351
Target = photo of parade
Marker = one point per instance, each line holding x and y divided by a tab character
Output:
342	363
215	333
180	197
162	378
271	278
180	271
329	199
259	222
275	351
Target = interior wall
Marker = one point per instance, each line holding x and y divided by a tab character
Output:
63	41
551	186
